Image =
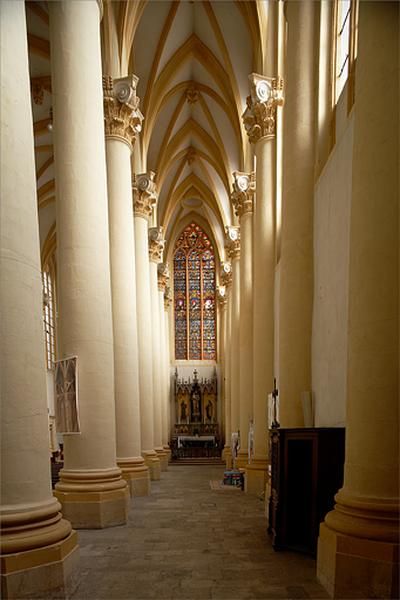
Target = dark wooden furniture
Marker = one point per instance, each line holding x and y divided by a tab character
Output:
306	472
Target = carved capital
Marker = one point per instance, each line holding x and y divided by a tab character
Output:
122	117
259	118
163	276
156	244
167	297
144	194
226	274
232	241
221	296
243	190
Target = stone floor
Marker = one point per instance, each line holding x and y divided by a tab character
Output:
187	541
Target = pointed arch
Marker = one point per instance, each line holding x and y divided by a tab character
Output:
194	186
192	48
190	128
194	277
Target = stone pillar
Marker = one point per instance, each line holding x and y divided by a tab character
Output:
260	121
122	123
226	278
144	198
358	549
242	200
222	302
296	262
38	547
163	278
156	248
233	251
167	303
91	489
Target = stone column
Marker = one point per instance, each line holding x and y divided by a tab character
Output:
144	198
242	200
226	278
163	278
122	123
91	489
167	304
358	549
296	262
260	121
222	302
156	248
233	251
37	544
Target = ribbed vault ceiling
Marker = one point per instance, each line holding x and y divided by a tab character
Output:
193	60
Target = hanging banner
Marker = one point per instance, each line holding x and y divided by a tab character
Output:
66	395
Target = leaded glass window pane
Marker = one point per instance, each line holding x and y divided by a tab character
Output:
180	305
194	290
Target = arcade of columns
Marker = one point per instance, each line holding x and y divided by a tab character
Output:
114	311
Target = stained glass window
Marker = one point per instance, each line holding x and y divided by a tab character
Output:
194	291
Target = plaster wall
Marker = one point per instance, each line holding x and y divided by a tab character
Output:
332	201
276	321
50	392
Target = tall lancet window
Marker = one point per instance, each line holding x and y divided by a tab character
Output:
49	317
194	291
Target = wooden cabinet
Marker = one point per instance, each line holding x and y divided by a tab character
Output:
306	472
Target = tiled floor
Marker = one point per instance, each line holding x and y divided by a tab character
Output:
187	541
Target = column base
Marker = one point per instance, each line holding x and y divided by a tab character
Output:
168	451
242	459
39	552
93	499
358	548
227	457
42	572
163	457
136	475
350	567
152	461
256	476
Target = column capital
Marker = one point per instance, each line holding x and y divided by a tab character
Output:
156	244
221	296
243	190
144	194
226	274
167	297
122	117
232	241
163	276
259	118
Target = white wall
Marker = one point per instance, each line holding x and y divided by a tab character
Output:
331	268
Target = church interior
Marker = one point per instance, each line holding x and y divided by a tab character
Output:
199	288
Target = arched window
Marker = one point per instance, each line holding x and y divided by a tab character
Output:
49	317
194	291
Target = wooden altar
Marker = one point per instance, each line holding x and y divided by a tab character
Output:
196	430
